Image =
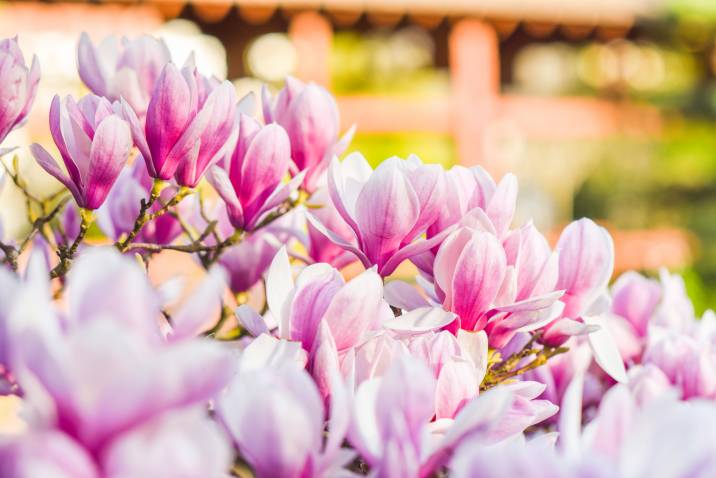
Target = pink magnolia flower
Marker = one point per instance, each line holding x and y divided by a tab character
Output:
473	280
474	188
122	68
249	180
275	416
19	86
635	298
664	438
647	383
324	313
471	189
675	311
392	428
689	364
634	303
458	364
94	144
586	263
184	443
112	324
46	451
310	116
388	209
8	290
190	121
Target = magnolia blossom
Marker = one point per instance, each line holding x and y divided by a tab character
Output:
249	180
94	143
586	262
275	416
472	188
391	427
472	276
661	438
634	302
153	393
310	116
324	313
123	68
19	86
190	120
385	235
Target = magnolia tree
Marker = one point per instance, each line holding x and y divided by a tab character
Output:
500	357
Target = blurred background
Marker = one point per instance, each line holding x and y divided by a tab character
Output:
603	108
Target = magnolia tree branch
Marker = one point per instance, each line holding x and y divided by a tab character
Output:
142	218
66	254
12	253
207	254
511	368
40	223
19	182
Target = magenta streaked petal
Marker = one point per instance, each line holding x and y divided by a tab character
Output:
110	151
167	117
45	160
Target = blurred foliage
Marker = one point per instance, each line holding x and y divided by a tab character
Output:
386	62
430	147
670	181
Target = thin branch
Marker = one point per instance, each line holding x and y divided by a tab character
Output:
66	254
40	222
141	220
500	374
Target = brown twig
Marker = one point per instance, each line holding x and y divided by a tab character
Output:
66	254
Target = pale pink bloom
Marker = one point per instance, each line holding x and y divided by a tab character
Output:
647	382
309	114
634	303
275	415
180	444
94	143
388	209
102	373
472	188
666	438
392	427
190	122
586	263
675	311
458	372
690	365
19	87
123	68
324	313
249	180
474	280
46	453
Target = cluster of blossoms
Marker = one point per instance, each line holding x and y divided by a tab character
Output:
501	356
